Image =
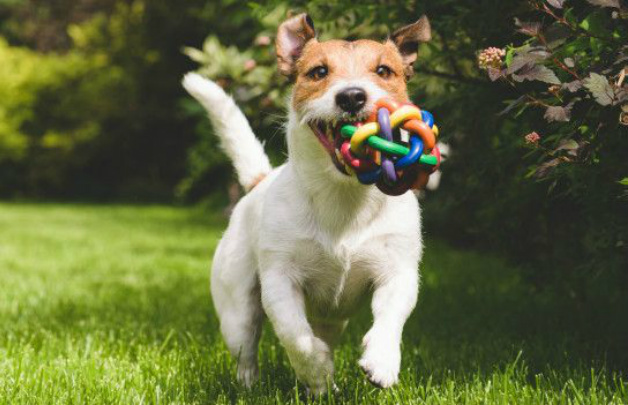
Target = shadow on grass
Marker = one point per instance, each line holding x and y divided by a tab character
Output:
476	312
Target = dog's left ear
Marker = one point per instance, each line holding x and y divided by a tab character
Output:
407	40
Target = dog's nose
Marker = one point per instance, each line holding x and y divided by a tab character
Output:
351	99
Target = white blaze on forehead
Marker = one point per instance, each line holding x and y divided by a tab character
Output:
325	108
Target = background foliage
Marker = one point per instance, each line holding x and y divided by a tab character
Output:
91	108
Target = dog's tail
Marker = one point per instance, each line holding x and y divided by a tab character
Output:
232	128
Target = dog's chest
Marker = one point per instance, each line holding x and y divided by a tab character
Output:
336	276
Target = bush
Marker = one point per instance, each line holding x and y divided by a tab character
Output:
55	108
573	69
44	99
565	222
125	93
557	164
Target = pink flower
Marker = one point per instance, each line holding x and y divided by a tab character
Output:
491	58
532	138
249	65
262	40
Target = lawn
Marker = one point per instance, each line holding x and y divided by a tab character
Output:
110	305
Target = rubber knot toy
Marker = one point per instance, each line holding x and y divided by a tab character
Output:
395	149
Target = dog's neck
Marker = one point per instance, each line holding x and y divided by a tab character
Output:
339	202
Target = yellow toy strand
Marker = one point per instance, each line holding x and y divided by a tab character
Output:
362	134
404	113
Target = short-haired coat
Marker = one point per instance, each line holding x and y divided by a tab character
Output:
308	244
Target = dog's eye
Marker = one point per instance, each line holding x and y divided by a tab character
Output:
318	72
383	71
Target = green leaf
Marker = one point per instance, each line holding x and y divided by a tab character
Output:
624	181
510	53
596	23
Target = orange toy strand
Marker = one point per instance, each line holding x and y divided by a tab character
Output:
424	131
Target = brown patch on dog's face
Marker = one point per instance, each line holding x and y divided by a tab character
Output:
338	82
381	64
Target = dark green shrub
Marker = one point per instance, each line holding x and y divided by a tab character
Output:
565	220
124	91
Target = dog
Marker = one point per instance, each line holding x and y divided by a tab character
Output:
308	245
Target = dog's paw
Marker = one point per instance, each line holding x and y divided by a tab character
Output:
248	374
323	390
313	362
381	359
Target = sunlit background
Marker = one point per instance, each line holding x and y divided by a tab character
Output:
114	193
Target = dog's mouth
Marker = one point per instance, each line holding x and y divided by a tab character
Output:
328	134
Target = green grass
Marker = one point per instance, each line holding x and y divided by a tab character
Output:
110	305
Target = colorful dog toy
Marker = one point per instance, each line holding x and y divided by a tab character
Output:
394	149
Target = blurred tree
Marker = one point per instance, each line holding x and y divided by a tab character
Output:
40	132
129	96
42	25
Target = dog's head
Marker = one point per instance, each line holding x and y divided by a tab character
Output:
337	82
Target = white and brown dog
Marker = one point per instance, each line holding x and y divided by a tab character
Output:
308	244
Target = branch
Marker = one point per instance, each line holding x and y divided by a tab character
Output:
562	20
453	77
556	61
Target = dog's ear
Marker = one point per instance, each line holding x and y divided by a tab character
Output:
292	36
407	40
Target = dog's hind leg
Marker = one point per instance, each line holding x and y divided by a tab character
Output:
236	295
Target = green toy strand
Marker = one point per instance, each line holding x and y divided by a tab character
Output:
347	131
376	142
383	145
428	160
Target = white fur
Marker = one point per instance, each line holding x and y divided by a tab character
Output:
325	107
236	136
434	181
306	247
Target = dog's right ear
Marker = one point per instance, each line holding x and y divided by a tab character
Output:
407	40
292	36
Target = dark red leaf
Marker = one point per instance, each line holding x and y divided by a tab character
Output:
556	3
558	114
544	168
512	105
494	74
556	35
600	89
605	3
526	56
537	72
530	28
572	87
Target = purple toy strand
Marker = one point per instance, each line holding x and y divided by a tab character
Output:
388	167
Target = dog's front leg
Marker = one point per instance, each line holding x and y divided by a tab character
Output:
394	299
284	304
